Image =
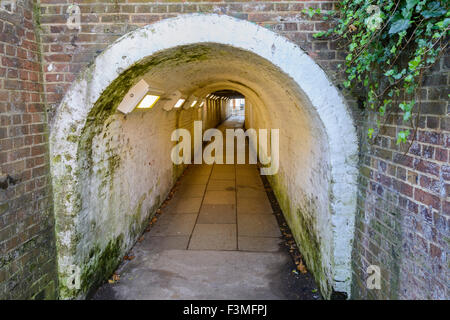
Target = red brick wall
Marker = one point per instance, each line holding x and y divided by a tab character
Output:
27	244
404	206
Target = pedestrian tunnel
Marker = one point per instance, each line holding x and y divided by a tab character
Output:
111	170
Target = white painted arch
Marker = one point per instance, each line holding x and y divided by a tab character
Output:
207	28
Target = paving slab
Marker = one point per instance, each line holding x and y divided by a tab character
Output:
221	185
224	168
204	169
213	237
183	205
242	181
190	274
174	225
194	179
154	244
258	225
255	193
253	206
217	175
217	213
244	189
247	172
259	244
219	197
191	190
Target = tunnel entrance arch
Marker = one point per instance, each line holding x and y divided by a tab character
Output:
327	233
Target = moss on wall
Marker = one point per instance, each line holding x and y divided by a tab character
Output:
303	224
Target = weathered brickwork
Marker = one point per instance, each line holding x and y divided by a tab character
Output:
403	205
27	243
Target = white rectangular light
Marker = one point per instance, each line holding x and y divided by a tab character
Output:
148	102
179	103
193	103
132	98
201	104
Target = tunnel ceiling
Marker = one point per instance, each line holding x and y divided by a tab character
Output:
231	94
191	68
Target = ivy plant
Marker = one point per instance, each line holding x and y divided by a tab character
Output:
390	43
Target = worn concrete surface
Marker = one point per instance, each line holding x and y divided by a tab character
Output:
216	239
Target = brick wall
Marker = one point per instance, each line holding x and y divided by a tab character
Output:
404	205
27	249
402	222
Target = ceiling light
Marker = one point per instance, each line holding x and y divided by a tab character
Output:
179	103
148	102
141	95
193	103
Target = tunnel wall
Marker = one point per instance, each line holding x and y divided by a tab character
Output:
126	175
302	184
402	222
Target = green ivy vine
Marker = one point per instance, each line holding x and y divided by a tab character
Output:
390	43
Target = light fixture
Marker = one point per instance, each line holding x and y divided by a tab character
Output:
202	103
190	102
148	102
171	99
179	103
141	95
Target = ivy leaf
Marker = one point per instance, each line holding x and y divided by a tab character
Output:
434	10
444	23
370	133
319	34
411	3
406	115
409	78
399	26
402	135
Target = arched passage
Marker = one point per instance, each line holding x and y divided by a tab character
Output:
100	202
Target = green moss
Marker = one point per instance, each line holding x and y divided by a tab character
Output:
57	159
302	222
113	164
72	138
101	263
37	16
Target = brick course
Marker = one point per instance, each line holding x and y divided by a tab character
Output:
27	243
